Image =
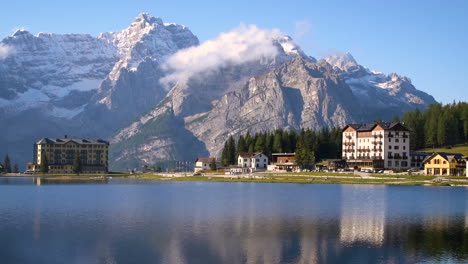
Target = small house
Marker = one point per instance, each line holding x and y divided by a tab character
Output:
444	164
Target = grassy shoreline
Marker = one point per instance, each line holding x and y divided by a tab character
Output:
421	180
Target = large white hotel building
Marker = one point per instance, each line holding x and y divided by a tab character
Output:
376	146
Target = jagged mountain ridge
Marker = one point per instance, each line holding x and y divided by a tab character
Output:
298	93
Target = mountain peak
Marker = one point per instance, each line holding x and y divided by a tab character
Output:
21	32
144	18
342	61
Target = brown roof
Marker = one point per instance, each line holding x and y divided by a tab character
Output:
249	154
206	160
384	125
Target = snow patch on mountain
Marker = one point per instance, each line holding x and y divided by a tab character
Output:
53	91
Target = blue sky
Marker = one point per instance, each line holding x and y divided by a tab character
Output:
424	40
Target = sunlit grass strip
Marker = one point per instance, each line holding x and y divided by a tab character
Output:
405	177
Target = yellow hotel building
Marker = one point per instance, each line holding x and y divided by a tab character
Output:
445	164
61	153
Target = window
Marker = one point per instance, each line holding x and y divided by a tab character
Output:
444	162
389	147
404	147
389	140
396	147
404	140
389	163
397	140
397	163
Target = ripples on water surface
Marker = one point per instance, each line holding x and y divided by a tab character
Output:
124	221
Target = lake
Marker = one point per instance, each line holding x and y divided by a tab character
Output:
129	221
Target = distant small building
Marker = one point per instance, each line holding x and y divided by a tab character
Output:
445	164
283	162
334	164
417	159
252	160
205	164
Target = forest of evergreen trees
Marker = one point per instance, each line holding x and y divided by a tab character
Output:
309	145
438	126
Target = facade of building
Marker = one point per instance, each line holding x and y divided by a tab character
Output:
61	154
252	160
376	146
205	164
283	162
417	159
445	164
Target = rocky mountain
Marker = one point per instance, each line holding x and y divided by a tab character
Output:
77	84
298	92
158	94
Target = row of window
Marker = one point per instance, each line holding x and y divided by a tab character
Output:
436	161
396	147
74	146
397	163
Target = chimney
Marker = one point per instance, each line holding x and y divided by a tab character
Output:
66	136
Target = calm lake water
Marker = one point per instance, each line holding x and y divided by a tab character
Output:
125	221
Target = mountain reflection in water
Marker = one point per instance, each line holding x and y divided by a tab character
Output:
193	222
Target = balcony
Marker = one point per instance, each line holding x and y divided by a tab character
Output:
377	142
405	136
390	135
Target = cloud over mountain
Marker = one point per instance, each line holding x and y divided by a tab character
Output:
6	51
240	45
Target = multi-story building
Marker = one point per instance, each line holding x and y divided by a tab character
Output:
376	146
61	154
205	164
252	160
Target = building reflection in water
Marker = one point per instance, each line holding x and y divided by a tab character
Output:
363	214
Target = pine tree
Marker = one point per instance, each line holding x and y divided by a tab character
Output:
277	145
225	155
44	166
260	144
6	164
241	146
77	164
213	164
16	168
232	151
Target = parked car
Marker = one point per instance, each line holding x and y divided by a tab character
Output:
28	172
197	174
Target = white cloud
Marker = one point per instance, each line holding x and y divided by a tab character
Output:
6	51
242	44
302	28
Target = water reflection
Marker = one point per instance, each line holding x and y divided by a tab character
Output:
363	214
232	223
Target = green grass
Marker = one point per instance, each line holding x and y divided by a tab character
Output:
277	179
405	177
457	178
320	174
463	149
